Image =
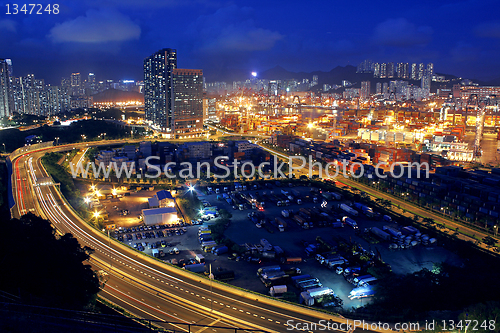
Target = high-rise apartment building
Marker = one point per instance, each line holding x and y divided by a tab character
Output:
365	90
414	71
383	70
76	84
376	70
187	87
91	86
9	67
158	92
430	69
5	96
421	71
403	70
390	69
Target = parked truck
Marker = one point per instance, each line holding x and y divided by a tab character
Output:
350	222
348	210
380	233
278	291
199	258
223	275
279	224
367	282
336	196
392	231
361	292
301	221
195	268
220	250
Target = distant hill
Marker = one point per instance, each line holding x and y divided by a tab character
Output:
114	95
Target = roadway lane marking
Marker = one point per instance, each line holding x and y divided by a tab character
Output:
211	324
142	310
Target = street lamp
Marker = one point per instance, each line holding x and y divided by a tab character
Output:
495	227
57	141
5	150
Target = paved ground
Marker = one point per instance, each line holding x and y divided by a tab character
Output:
242	230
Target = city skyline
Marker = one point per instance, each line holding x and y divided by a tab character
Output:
112	38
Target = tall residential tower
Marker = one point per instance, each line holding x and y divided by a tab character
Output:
158	93
5	97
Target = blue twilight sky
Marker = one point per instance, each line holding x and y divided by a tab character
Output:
112	37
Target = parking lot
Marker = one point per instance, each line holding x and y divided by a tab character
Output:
179	244
242	230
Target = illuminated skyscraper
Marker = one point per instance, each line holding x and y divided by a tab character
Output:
158	93
5	97
187	87
76	84
365	90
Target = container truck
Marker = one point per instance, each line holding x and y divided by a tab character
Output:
350	222
219	250
291	260
268	255
380	233
368	211
195	268
367	281
336	196
361	292
278	291
392	231
360	278
279	224
223	276
310	285
387	218
208	243
266	269
205	238
319	292
301	221
300	278
199	258
306	299
348	210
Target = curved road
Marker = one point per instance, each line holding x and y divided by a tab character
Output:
147	288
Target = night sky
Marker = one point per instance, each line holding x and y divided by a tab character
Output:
111	38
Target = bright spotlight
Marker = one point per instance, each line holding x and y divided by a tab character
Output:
96	214
87	200
254	74
191	188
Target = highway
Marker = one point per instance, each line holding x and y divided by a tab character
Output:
145	287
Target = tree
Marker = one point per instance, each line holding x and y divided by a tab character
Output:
489	241
58	278
484	313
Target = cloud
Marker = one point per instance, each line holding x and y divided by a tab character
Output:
402	33
236	38
8	25
488	29
231	29
97	26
